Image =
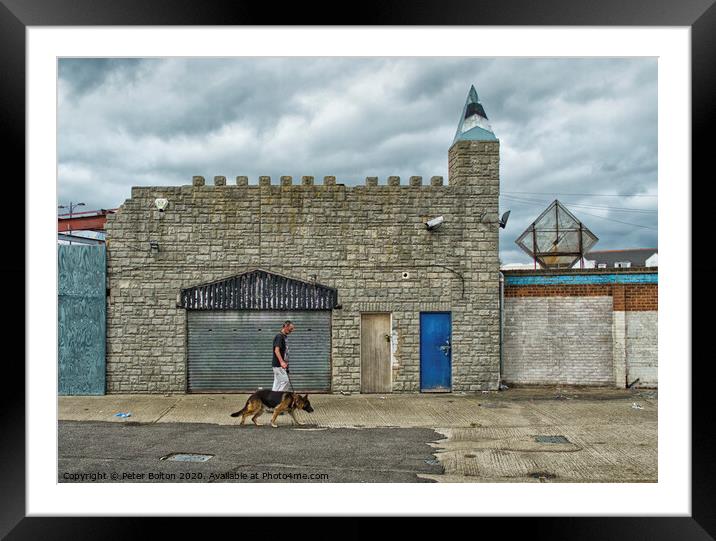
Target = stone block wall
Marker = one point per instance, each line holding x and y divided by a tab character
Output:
358	239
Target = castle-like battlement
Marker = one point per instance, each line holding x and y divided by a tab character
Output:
286	180
481	184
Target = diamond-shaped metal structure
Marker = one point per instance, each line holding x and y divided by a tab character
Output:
474	125
556	239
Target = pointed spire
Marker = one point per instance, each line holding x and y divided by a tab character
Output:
474	125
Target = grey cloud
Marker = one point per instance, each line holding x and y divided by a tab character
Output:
86	74
565	126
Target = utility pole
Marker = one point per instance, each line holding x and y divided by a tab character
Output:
72	207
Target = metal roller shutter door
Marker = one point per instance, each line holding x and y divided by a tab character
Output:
230	350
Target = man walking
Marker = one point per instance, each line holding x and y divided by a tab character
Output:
280	357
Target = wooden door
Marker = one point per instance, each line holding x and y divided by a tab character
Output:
375	353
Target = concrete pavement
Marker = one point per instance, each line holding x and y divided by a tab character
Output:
610	435
124	453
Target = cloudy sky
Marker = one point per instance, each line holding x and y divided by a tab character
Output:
580	130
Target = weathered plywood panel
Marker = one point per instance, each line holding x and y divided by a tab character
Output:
81	320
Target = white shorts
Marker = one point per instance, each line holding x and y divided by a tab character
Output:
280	379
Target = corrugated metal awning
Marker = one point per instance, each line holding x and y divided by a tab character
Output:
259	290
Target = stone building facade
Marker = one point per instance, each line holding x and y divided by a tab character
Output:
369	243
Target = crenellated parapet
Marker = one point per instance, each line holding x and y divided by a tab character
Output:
307	180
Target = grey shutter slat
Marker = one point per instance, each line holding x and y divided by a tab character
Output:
228	352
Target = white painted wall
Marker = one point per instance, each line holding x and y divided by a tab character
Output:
642	340
550	340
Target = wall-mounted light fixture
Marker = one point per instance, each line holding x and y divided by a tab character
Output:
503	220
434	223
161	203
153	246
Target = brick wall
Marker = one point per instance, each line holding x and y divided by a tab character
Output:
641	298
593	327
553	339
358	239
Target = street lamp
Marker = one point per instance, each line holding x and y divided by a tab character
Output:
72	207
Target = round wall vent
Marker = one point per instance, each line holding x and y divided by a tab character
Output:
406	275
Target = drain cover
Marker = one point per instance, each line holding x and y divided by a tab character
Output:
542	475
551	439
186	457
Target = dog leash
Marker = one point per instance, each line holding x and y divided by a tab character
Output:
290	382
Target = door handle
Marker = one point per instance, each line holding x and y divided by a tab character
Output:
387	337
445	348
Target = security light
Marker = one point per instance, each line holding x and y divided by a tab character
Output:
503	220
434	223
161	203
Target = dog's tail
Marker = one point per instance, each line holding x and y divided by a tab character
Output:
237	413
241	411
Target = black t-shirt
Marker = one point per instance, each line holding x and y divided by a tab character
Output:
279	342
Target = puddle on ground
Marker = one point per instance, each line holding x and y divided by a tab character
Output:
186	457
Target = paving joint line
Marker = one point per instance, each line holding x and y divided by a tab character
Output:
170	408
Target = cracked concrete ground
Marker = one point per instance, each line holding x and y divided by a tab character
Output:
131	453
611	435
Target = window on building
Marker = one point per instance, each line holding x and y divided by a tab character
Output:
622	264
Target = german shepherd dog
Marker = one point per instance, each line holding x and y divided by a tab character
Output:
276	401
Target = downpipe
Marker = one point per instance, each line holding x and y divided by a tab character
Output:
502	325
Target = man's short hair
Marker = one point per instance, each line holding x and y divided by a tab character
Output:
287	323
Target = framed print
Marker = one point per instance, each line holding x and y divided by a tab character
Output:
173	308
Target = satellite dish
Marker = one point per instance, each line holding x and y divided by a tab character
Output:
503	220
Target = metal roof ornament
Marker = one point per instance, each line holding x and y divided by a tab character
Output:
556	239
474	124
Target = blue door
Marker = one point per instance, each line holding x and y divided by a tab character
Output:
435	352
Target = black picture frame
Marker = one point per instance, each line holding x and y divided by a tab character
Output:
16	15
